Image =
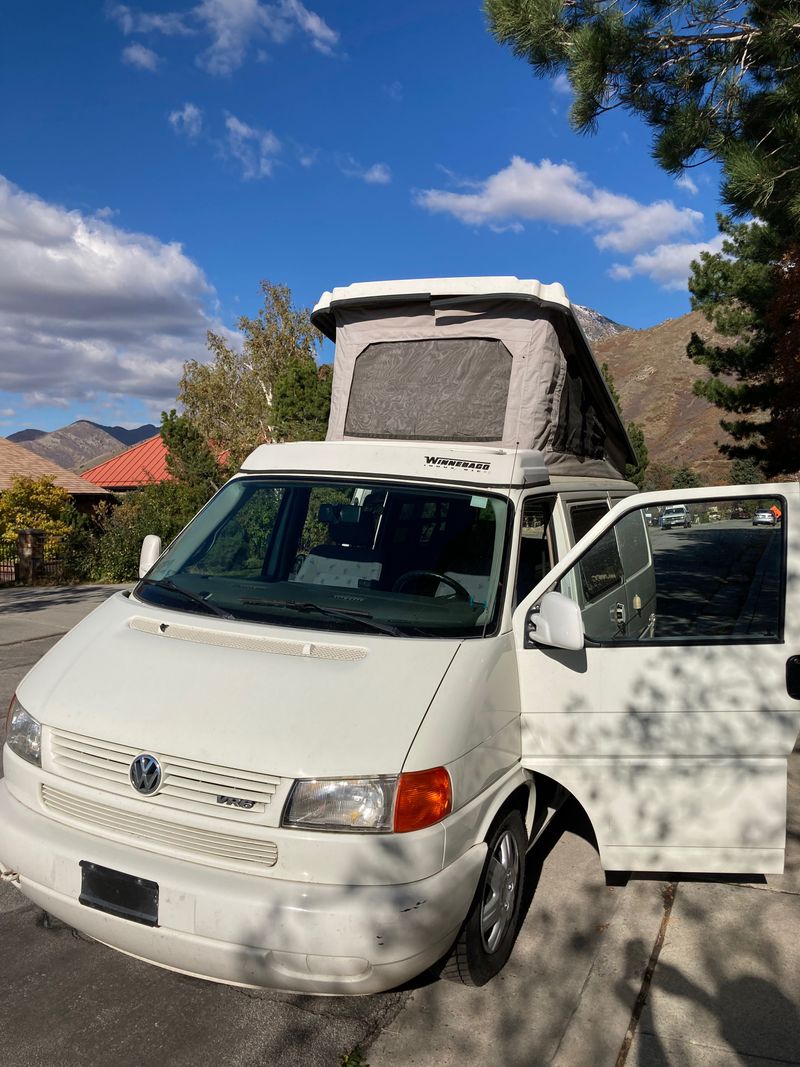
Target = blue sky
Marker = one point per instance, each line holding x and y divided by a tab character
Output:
158	160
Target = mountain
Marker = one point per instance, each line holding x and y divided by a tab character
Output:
654	377
129	437
21	436
596	326
82	443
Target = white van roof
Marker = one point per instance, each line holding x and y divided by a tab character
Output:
498	468
409	289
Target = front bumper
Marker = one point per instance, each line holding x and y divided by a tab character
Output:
240	928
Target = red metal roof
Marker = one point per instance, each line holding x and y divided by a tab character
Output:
139	465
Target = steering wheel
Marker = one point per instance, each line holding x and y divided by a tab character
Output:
458	589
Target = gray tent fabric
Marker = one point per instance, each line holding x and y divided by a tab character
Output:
500	371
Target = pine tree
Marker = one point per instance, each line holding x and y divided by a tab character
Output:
715	81
301	401
711	78
746	472
190	460
751	294
636	472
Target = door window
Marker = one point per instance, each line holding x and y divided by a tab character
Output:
717	576
536	550
583	517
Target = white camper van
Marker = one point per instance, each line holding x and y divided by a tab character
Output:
310	749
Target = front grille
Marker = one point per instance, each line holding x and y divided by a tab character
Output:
186	784
208	846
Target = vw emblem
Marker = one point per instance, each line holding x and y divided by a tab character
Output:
145	775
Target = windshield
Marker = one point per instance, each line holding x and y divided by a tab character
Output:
348	556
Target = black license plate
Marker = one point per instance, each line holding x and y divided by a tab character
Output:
119	894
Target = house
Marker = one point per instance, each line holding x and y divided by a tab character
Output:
18	462
135	467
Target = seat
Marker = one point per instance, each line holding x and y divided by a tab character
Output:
349	561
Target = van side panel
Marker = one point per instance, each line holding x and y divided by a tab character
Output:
473	724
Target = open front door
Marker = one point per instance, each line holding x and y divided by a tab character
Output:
673	723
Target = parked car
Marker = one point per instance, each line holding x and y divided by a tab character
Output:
764	517
310	749
675	515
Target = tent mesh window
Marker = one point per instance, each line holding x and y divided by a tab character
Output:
581	429
430	390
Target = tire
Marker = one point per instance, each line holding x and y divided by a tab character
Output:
487	937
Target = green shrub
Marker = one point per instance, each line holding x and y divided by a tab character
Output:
35	504
162	508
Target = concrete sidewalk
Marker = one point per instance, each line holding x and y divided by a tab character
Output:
726	987
687	974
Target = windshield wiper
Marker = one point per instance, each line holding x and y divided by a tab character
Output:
348	614
165	583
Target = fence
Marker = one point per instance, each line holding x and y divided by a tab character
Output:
34	557
9	563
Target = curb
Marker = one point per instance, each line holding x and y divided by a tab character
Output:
597	1034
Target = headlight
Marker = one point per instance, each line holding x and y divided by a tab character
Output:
24	736
411	801
363	804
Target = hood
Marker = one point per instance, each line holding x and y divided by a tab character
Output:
288	701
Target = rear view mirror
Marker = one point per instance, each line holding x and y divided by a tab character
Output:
555	621
151	550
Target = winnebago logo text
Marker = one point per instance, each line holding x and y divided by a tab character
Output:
462	464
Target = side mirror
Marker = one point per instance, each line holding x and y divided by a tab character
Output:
151	550
555	621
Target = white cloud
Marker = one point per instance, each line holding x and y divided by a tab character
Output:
668	264
376	174
232	28
306	157
255	149
686	183
560	85
187	120
130	20
87	308
456	180
232	24
322	37
136	55
560	194
647	224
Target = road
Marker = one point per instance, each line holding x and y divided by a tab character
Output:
68	999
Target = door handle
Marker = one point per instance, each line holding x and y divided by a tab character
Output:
618	614
793	677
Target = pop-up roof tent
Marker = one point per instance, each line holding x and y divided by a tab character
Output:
494	361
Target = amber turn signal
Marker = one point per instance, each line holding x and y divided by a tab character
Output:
423	798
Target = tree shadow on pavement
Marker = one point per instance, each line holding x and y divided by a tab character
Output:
43	597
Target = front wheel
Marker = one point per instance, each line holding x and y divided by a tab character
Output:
490	929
